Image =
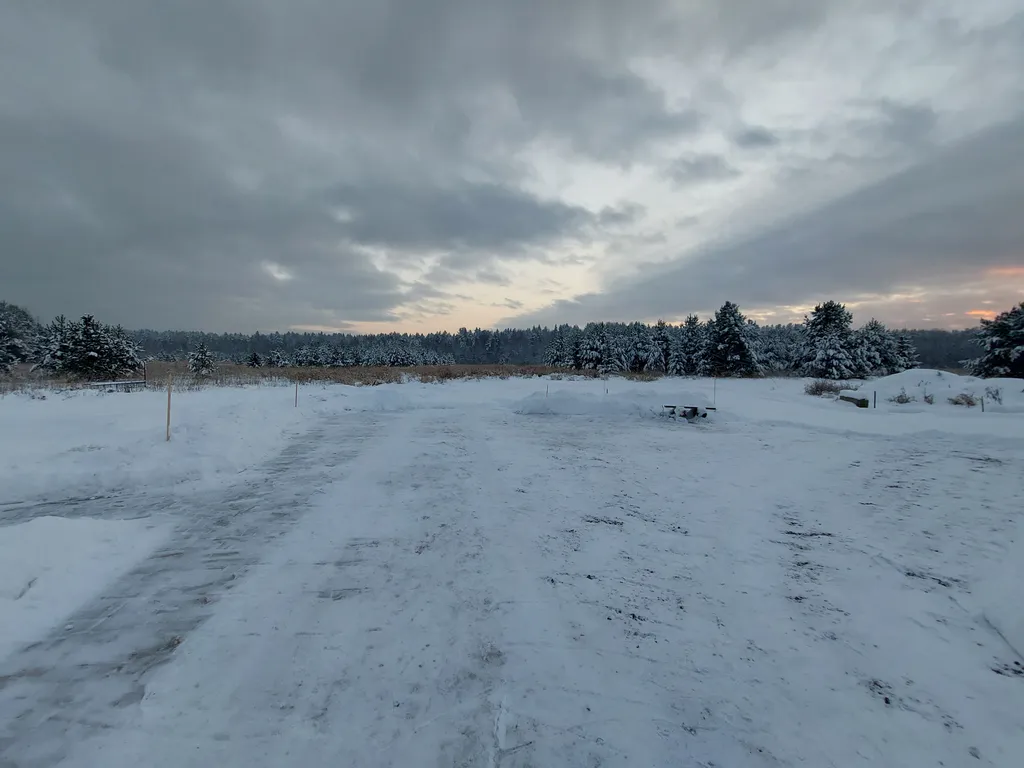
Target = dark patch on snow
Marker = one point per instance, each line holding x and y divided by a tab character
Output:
807	533
1009	670
338	594
928	577
605	520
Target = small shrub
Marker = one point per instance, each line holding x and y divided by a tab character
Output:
820	387
995	394
930	399
963	399
903	398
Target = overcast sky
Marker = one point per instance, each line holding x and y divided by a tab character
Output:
236	165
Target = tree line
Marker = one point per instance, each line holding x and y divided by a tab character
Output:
825	345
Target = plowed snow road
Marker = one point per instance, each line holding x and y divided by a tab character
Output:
469	587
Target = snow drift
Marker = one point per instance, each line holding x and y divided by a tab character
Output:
50	566
923	388
635	404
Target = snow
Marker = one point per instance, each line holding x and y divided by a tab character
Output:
83	442
50	566
916	386
638	404
534	572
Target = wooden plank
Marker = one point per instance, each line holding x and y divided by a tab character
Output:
860	402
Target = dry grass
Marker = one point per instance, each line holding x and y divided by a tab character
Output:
233	375
963	399
820	387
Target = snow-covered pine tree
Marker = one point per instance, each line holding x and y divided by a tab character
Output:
19	336
692	335
593	344
728	344
676	353
829	351
1002	342
277	358
12	348
200	362
877	349
124	354
661	338
56	346
89	345
641	350
254	360
906	353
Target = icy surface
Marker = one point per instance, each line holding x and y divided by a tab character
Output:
428	574
49	566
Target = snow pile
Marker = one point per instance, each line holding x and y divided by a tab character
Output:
84	443
50	566
998	595
922	388
634	404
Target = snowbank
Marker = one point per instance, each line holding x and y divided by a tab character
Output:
924	388
50	566
83	443
636	404
997	594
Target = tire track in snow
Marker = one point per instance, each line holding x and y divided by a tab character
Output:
77	682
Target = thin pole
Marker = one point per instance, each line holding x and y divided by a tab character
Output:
169	380
296	394
876	398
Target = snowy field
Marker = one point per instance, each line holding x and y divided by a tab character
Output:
513	573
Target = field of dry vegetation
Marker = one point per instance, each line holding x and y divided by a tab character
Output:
233	375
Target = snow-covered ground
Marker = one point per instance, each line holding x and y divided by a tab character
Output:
512	573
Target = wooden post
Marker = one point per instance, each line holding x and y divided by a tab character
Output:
983	405
169	380
296	394
876	398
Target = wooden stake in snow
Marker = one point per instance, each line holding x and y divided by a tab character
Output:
169	380
296	394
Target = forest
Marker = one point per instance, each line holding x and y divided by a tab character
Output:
825	345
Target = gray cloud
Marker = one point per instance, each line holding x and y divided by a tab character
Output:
943	222
755	137
240	164
699	169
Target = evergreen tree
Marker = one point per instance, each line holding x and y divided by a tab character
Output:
593	346
728	345
254	360
201	363
19	336
90	345
12	348
277	358
1002	342
877	350
661	337
56	347
906	353
641	351
829	350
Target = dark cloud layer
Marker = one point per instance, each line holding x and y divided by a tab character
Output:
240	164
946	222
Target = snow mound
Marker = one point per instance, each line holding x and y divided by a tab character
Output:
51	566
643	405
923	388
998	595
